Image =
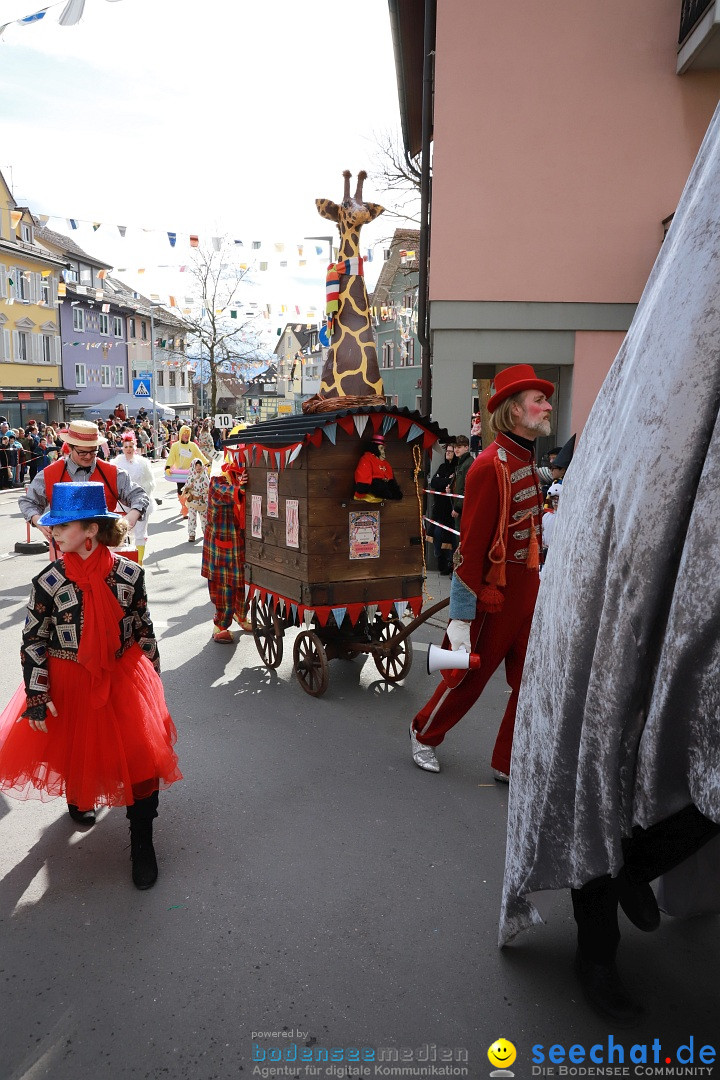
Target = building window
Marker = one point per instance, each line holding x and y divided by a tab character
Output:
161	378
388	354
105	375
78	318
410	351
117	326
119	376
80	375
143	330
22	284
182	378
104	321
26	233
47	349
23	345
171	378
131	328
45	291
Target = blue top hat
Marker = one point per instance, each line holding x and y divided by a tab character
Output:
76	502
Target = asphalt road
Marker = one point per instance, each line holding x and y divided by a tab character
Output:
317	891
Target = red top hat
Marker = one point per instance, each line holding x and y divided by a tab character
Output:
514	380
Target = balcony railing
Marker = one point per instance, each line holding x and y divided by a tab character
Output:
692	11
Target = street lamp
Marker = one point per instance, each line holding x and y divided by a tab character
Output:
154	371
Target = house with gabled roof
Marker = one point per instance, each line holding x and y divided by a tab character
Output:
394	314
31	385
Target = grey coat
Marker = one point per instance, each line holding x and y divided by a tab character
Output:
618	720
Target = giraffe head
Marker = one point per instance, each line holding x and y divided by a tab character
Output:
352	213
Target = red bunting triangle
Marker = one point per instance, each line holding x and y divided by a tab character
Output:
403	425
386	606
323	614
415	605
429	440
376	420
347	424
316	437
355	610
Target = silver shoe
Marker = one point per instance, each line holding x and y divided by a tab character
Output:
423	756
501	777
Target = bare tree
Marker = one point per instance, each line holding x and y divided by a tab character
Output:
225	340
395	178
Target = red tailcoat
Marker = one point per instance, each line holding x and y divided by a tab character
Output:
479	521
498	636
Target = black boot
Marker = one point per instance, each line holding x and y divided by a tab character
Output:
142	853
638	901
595	910
81	817
605	992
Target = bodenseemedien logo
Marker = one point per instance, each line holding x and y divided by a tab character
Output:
501	1054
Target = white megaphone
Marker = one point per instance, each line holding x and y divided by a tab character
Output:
451	660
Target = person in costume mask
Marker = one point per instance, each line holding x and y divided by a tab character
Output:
223	561
180	459
138	469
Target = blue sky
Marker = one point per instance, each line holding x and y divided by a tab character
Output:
228	117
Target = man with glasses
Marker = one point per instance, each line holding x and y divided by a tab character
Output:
79	467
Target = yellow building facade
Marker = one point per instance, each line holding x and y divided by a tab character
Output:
30	343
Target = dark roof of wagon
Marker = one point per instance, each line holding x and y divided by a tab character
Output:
286	430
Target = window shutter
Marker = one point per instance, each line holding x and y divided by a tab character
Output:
3	282
53	291
14	287
16	344
36	347
37	288
3	345
56	349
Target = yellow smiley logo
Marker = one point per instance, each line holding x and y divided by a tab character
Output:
502	1053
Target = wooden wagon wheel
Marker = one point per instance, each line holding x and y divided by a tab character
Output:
312	670
394	664
267	633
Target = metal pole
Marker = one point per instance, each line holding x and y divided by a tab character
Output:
202	400
154	376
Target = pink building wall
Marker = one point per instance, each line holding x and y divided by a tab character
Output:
594	353
563	137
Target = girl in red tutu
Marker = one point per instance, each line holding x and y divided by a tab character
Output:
90	720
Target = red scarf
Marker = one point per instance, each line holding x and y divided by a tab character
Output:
100	636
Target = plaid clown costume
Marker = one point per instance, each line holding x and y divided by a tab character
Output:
223	558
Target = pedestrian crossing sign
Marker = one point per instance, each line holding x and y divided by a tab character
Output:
141	387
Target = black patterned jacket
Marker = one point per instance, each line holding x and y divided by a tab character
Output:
55	619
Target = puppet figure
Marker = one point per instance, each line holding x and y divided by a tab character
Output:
374	478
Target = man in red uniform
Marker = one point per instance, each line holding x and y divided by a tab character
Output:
496	580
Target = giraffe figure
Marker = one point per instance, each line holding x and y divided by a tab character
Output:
351	367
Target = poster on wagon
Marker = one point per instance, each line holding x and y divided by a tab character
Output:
272	494
365	534
292	523
256	516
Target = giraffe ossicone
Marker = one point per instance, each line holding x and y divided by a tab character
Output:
351	368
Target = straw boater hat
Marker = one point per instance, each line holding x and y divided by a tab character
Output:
83	434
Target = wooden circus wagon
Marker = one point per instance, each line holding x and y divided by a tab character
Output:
342	570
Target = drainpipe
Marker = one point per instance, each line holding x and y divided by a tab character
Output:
425	205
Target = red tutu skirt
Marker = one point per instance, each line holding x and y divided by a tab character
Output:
95	757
